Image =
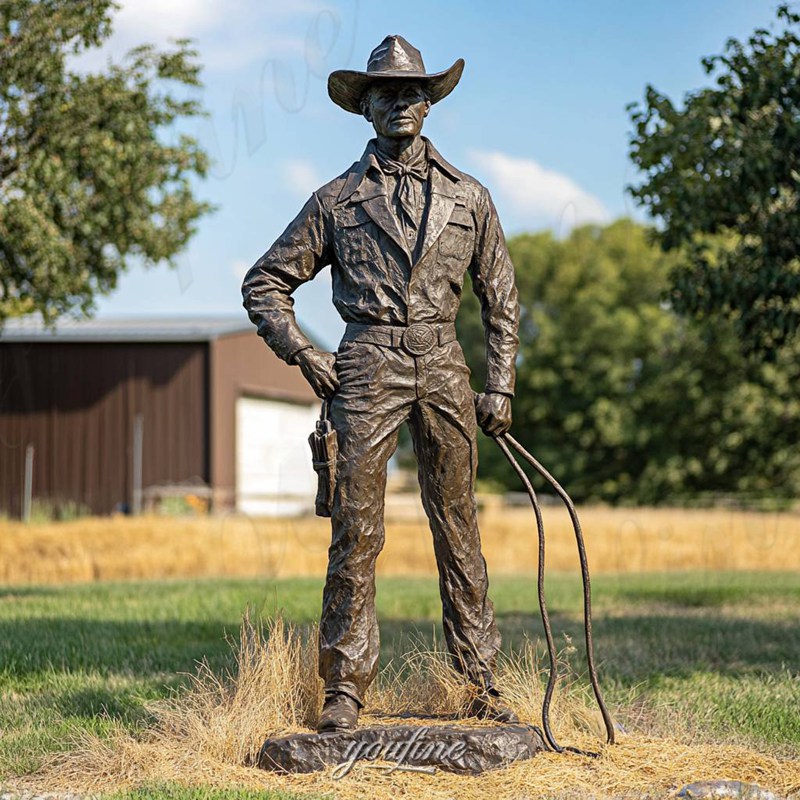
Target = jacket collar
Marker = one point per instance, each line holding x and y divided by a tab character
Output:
362	175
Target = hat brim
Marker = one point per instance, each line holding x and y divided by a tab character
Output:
346	87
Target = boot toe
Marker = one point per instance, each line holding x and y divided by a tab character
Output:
340	713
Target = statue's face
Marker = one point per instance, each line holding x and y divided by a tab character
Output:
396	108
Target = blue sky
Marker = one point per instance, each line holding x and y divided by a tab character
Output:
539	116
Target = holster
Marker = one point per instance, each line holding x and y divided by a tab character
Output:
324	451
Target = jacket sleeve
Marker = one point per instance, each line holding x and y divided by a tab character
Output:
299	253
493	282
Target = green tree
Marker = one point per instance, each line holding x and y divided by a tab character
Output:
86	182
722	174
624	400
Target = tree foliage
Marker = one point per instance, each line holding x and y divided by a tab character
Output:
722	174
622	399
86	182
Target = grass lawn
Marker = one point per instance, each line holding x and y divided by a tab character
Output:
700	656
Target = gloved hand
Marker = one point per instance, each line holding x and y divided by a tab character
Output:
319	369
494	413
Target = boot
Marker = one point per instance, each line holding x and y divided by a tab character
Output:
487	705
340	713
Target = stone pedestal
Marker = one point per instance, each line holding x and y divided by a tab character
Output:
423	748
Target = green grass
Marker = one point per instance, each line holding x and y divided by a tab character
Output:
716	655
172	791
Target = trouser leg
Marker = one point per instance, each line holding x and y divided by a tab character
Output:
367	411
444	434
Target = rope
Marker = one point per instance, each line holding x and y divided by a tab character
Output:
503	443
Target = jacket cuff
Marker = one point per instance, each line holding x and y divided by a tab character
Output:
293	356
285	338
500	381
492	390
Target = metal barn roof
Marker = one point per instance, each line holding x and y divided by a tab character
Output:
126	329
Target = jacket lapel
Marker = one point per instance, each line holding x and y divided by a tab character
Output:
362	186
441	207
373	199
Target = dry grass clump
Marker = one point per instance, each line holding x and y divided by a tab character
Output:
274	688
208	733
617	540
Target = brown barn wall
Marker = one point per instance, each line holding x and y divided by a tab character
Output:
76	403
241	364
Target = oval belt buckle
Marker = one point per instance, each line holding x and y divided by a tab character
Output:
419	339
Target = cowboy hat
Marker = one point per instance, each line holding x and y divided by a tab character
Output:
393	58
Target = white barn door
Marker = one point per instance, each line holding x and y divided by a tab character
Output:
274	476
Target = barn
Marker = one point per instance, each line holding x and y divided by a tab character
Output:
118	414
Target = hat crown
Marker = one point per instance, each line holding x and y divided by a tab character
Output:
395	54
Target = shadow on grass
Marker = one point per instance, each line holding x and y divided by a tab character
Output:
38	647
13	592
636	650
122	705
704	596
633	647
639	648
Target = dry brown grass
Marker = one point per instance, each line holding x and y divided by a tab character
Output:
618	540
207	733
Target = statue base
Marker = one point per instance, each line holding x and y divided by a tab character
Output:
415	748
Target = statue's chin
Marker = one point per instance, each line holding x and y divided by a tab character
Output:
400	132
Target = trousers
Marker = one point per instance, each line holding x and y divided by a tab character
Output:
381	388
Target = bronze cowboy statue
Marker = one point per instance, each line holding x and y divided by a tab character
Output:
400	228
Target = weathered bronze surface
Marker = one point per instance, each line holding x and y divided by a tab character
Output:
400	228
449	748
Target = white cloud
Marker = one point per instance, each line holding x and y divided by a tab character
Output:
537	197
300	176
153	19
228	34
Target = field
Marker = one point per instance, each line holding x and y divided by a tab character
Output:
618	540
699	665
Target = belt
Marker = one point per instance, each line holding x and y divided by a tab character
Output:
417	339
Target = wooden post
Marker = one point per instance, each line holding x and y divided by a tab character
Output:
27	490
138	442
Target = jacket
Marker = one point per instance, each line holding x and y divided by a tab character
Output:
349	223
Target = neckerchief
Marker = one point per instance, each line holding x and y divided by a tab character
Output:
407	173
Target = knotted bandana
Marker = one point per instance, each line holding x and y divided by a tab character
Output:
410	176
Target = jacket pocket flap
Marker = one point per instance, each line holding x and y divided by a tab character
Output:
461	216
350	216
